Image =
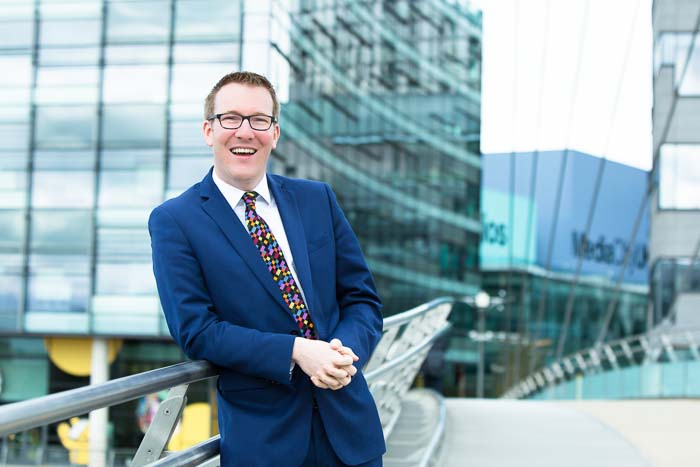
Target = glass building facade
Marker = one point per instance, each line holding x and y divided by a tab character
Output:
570	271
101	107
674	199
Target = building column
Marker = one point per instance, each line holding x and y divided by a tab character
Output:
99	373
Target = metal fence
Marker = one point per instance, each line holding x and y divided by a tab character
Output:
390	372
662	363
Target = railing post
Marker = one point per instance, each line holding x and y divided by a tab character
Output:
99	373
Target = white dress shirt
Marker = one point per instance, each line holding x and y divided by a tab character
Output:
266	207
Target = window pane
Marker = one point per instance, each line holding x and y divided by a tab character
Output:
125	279
119	83
69	56
12	231
13	184
72	32
14	136
192	83
61	232
65	127
128	54
220	20
63	189
133	126
16	34
67	84
138	21
128	188
197	53
58	292
679	171
16	71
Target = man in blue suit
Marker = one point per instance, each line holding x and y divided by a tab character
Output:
262	276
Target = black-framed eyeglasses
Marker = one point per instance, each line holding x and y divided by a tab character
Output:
257	122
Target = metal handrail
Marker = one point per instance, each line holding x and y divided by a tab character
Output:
429	452
27	414
408	315
403	358
623	352
192	456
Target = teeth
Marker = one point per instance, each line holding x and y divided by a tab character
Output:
243	151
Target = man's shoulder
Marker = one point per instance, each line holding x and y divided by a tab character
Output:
184	200
300	185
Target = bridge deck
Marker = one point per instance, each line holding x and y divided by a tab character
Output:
511	433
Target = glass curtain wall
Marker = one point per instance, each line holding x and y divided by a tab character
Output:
100	118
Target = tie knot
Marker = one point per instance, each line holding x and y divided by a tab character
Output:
249	198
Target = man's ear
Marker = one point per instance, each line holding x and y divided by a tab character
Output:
208	132
276	135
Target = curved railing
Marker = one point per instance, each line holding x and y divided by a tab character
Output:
390	372
660	363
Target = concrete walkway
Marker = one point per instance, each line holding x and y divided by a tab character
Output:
508	433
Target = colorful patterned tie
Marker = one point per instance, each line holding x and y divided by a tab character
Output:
272	255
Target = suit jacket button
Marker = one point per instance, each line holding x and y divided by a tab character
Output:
295	332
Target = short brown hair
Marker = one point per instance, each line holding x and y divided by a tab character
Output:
242	77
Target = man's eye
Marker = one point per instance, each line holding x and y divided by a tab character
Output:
261	120
231	118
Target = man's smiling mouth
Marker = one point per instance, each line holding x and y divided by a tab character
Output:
242	151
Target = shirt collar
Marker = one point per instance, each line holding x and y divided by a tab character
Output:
233	195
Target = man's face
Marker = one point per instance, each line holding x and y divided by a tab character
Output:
240	155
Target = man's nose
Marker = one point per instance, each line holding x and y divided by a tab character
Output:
245	130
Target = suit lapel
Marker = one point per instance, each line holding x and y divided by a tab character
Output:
291	218
216	206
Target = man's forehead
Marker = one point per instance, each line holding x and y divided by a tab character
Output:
237	95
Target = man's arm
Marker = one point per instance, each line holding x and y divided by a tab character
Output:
360	324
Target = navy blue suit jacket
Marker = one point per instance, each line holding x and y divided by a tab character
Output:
222	305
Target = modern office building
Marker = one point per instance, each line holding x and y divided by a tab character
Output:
571	269
100	116
674	201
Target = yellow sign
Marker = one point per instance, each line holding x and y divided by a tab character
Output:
74	354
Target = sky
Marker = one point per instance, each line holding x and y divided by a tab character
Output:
568	73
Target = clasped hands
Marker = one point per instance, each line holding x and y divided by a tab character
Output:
328	364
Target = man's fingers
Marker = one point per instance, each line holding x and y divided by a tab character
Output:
317	382
350	369
335	372
329	381
348	351
342	360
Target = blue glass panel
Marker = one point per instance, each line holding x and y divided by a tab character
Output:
693	381
651	380
128	188
16	34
